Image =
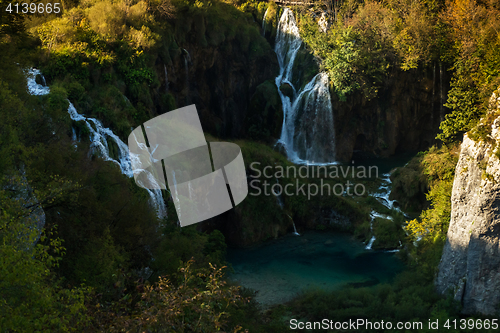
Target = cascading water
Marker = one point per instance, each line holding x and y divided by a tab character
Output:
98	139
373	216
73	135
264	22
382	195
384	191
308	125
279	199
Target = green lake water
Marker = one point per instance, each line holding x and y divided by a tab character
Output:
280	269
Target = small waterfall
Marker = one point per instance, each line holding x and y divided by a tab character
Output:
370	243
294	229
308	125
279	200
293	224
264	22
99	141
384	191
382	195
166	78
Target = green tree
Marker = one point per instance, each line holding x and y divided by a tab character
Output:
32	299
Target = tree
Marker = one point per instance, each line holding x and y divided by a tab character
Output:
10	23
197	303
31	297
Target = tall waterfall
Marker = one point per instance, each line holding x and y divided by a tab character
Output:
308	126
99	141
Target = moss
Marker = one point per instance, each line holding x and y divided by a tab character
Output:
168	102
304	68
388	234
409	185
272	20
265	115
363	231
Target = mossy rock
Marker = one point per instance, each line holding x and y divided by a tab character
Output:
409	186
39	79
304	68
271	24
287	90
265	113
388	234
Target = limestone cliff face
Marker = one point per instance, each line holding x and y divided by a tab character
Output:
470	265
405	115
220	76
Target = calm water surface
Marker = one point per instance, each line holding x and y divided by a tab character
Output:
281	268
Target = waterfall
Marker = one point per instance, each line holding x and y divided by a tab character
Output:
279	200
308	125
384	191
264	23
382	195
293	224
370	243
99	141
166	78
294	229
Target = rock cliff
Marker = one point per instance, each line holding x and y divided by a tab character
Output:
219	75
470	264
405	115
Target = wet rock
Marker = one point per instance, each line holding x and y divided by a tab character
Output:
287	90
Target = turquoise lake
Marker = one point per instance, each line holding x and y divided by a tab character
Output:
280	269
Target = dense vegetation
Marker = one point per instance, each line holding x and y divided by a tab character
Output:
102	259
370	39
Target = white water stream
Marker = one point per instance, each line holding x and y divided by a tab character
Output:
308	125
99	136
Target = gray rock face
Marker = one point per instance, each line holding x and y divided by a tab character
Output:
470	265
